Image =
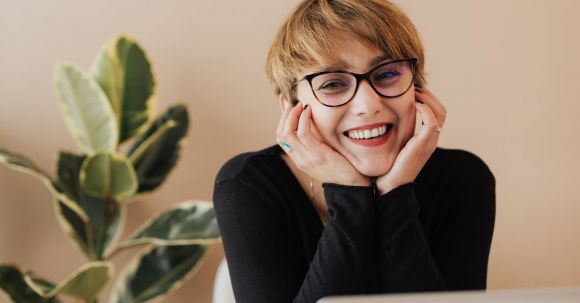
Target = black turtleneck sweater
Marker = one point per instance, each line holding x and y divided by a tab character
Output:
429	235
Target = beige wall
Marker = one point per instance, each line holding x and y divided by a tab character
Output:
506	70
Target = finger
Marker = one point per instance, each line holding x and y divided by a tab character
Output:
288	132
431	124
282	122
438	108
304	123
306	130
291	123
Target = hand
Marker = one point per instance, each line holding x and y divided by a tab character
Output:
312	156
420	147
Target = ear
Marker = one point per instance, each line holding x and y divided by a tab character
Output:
283	103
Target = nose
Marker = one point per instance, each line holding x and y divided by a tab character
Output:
366	102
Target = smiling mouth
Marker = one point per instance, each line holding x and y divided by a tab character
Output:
368	134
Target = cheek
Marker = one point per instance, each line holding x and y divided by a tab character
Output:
407	120
325	124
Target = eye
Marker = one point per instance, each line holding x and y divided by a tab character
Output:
387	75
332	85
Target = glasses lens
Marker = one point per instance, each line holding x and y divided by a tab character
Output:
334	89
393	79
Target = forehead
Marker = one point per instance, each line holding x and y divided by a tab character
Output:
348	53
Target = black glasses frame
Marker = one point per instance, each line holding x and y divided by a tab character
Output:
360	77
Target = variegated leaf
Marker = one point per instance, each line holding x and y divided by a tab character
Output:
156	152
85	283
23	164
14	286
191	222
108	176
107	216
86	109
124	73
157	272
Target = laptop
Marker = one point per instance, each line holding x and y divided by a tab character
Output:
543	295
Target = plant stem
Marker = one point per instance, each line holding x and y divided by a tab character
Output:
90	239
105	219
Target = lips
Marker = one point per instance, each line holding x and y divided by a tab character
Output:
368	131
370	135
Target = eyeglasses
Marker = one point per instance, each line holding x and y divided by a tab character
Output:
336	88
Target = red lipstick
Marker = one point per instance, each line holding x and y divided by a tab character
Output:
382	139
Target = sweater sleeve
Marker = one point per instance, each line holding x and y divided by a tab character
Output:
458	259
263	267
463	246
404	261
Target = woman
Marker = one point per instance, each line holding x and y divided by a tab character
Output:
353	200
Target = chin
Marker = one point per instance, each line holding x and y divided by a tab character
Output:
374	168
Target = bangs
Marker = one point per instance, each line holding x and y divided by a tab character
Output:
318	27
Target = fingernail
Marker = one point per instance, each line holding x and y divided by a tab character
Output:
419	101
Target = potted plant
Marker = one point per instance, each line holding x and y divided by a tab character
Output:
105	110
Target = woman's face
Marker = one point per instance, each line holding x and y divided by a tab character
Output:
366	110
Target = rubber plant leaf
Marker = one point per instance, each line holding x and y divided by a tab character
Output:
23	164
124	72
14	287
86	109
191	222
85	283
108	176
156	152
95	237
157	273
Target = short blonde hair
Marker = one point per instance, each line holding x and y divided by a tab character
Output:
304	39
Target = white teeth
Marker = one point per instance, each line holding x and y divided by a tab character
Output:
367	133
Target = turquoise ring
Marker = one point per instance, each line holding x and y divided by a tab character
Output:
285	146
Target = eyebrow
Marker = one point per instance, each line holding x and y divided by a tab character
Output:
378	60
344	66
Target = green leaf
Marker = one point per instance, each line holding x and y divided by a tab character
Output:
125	75
106	216
108	175
157	272
75	229
85	283
14	285
87	111
41	285
95	238
154	159
23	164
191	222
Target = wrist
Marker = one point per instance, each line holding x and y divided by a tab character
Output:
388	188
384	188
363	181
